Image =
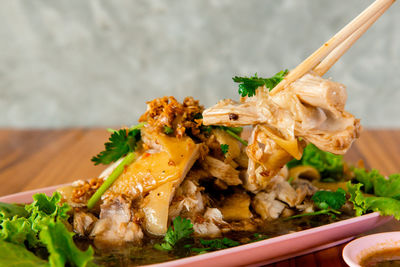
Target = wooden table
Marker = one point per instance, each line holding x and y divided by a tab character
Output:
32	159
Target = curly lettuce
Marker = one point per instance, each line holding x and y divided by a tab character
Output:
40	233
10	210
363	204
13	255
375	183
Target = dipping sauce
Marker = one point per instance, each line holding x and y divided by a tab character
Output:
382	258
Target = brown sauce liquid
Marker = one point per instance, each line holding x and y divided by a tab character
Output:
382	258
146	254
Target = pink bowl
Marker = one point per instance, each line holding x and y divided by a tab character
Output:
361	247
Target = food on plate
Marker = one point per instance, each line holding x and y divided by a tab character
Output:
188	180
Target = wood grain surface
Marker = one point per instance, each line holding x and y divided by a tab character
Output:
32	159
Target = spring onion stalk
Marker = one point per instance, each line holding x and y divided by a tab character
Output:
234	135
327	211
130	157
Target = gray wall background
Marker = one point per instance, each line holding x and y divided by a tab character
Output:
95	63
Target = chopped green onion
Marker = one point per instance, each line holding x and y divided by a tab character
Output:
231	133
130	157
326	211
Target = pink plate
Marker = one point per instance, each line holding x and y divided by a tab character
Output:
265	251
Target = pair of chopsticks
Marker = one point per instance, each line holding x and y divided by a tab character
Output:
326	56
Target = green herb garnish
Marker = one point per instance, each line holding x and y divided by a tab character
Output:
234	132
168	130
259	237
182	229
215	244
328	202
121	142
224	148
249	85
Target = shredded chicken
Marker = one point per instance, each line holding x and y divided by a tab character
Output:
188	200
267	206
209	225
303	189
83	222
311	108
117	225
221	170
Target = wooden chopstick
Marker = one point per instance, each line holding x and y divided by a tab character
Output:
315	58
340	50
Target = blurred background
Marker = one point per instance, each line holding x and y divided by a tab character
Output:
95	63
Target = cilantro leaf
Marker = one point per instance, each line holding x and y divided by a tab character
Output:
259	237
249	85
13	255
120	143
215	244
182	229
224	148
328	199
168	130
362	204
328	164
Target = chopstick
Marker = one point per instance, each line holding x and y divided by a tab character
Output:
365	19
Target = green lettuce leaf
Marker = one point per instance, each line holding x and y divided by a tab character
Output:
61	246
17	230
362	204
42	229
10	210
375	183
328	164
366	178
44	206
12	255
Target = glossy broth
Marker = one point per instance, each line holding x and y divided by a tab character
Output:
146	254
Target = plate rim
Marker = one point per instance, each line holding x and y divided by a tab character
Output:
225	252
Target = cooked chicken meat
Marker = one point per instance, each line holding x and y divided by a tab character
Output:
310	109
266	205
205	174
210	225
117	225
